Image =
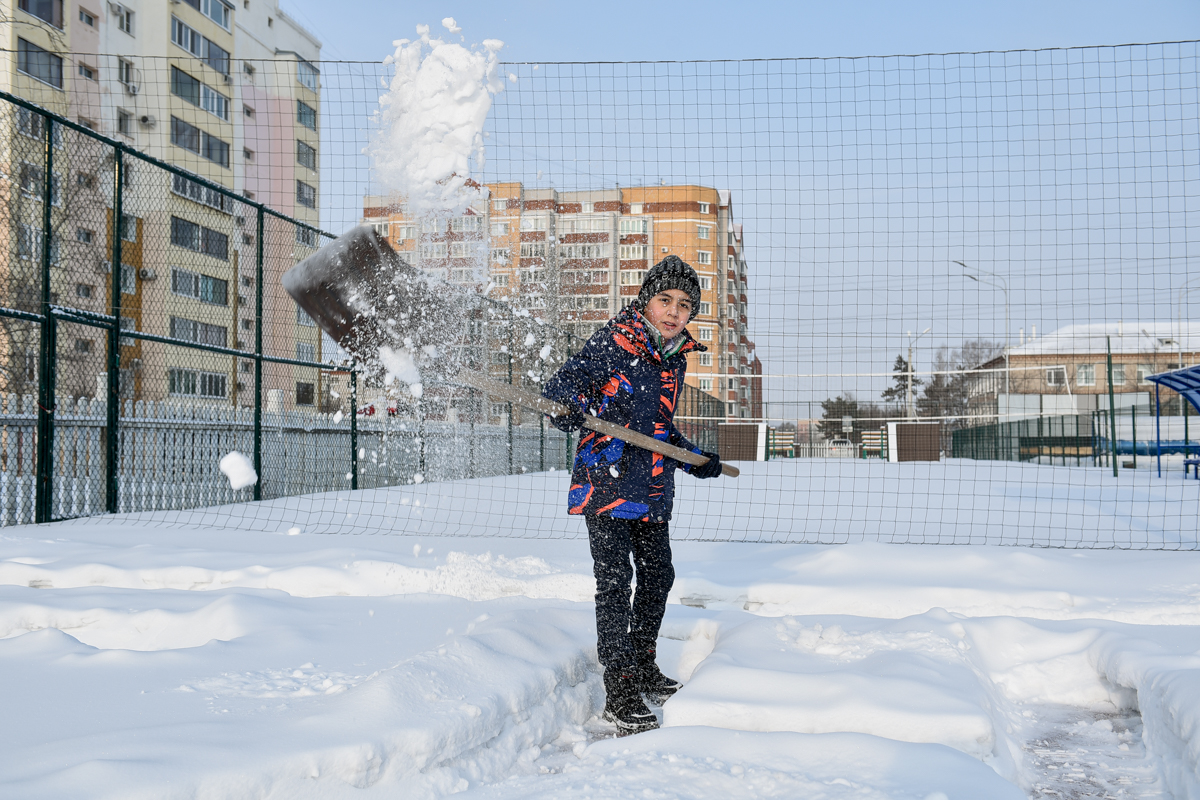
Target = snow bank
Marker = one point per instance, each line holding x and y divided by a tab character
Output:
431	122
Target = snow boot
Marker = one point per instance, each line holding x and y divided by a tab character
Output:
652	683
623	704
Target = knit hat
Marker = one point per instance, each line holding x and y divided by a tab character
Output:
671	273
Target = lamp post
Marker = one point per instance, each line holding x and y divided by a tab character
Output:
1002	285
912	411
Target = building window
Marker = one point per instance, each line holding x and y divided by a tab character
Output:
247	324
704	334
306	236
703	257
706	384
83	345
247	112
380	227
189	137
306	195
1085	375
306	155
1118	375
501	255
1143	372
219	12
307	74
306	115
705	283
534	223
499	204
635	225
305	394
33	184
84	290
200	46
124	122
204	288
500	280
129	230
39	63
127	324
705	359
1056	376
46	10
247	154
304	319
705	309
84	235
632	277
704	208
191	383
87	18
87	72
189	330
125	19
632	252
185	187
194	237
534	250
306	351
703	231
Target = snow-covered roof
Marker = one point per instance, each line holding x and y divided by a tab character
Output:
723	197
1127	337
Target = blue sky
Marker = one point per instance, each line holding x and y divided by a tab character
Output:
620	30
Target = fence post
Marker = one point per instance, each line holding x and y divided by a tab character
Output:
113	407
44	493
1133	419
511	322
353	427
258	352
1112	407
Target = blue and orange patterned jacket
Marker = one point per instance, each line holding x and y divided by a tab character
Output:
620	377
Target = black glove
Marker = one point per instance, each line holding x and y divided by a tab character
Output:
710	470
571	421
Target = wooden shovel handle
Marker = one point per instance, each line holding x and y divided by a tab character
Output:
528	399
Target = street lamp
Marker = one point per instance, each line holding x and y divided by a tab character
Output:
912	411
1002	285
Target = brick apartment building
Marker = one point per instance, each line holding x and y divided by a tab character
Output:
575	258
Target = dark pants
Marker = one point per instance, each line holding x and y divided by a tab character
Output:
627	634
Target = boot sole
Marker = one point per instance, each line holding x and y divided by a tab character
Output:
627	728
658	698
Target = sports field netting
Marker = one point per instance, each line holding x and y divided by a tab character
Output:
933	289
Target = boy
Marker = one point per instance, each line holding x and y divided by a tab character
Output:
630	372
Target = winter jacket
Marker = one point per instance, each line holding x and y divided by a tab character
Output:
620	377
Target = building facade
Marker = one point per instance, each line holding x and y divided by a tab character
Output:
226	92
575	258
1066	371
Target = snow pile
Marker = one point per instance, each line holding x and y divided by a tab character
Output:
239	470
432	119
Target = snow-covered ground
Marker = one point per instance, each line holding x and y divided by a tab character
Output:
412	643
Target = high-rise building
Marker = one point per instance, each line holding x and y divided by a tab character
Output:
226	92
576	258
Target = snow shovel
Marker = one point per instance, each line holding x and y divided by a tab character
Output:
365	296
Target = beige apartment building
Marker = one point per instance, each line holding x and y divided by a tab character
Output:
227	91
575	258
1066	371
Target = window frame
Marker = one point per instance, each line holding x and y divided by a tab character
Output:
27	50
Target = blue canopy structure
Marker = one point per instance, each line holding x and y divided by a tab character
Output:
1186	382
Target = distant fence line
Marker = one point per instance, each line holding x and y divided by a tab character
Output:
169	454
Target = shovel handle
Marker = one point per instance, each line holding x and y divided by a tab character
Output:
536	402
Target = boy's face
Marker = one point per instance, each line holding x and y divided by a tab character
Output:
669	312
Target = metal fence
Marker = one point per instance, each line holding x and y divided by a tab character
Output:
80	324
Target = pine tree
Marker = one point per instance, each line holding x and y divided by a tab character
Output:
898	393
833	410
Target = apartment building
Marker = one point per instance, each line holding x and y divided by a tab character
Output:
228	92
574	258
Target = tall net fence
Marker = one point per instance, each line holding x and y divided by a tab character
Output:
970	263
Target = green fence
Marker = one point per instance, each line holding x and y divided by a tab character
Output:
140	342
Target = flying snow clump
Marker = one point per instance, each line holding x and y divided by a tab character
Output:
239	470
431	121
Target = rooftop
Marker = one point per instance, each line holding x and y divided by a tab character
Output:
1127	337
